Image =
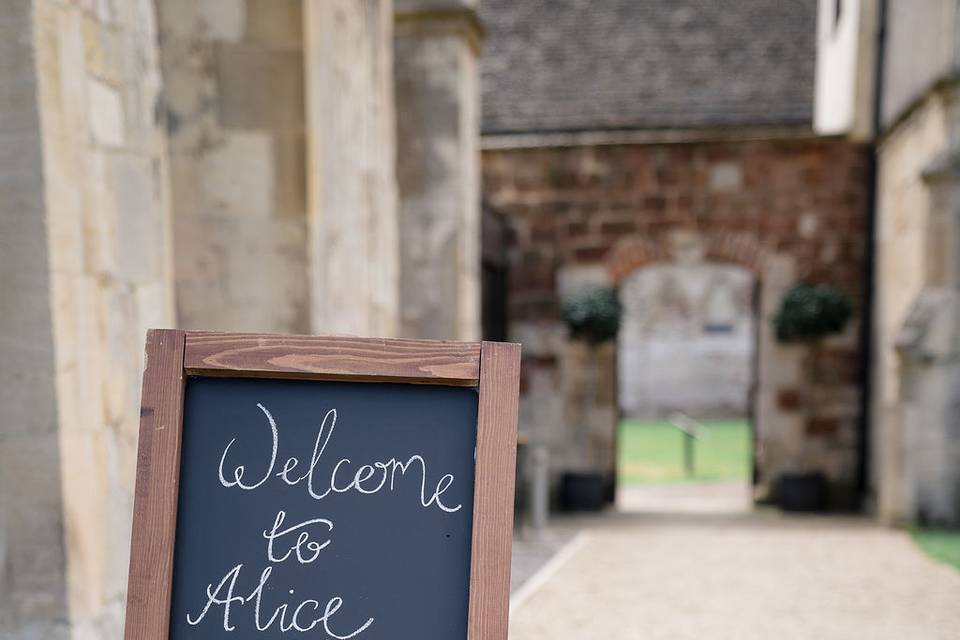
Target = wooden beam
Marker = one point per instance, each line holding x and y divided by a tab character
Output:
332	358
158	481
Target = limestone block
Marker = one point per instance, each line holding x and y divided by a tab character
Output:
725	177
103	51
808	224
106	10
180	19
136	17
779	274
780	445
278	101
64	177
783	365
142	85
219	287
541	405
65	77
139	209
574	278
929	333
122	331
190	92
79	354
105	109
84	467
588	388
290	161
540	339
275	23
222	19
186	183
238	175
99	218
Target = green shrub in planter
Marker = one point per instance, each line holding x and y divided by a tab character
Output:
810	312
593	314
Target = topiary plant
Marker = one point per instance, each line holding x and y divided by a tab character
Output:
593	314
810	312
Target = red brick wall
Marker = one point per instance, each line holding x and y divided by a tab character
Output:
572	205
617	205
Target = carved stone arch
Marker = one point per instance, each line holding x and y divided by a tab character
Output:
635	252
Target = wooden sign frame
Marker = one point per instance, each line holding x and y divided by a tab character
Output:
173	355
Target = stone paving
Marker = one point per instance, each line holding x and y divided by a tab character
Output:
739	576
531	550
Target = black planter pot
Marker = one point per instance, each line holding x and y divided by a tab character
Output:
802	492
582	491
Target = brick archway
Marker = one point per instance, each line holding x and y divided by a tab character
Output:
634	252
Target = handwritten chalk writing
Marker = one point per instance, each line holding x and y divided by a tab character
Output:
231	600
313	476
212	599
303	618
302	539
238	472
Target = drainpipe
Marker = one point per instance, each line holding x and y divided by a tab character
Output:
864	444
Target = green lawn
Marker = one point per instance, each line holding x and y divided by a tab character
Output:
942	545
652	451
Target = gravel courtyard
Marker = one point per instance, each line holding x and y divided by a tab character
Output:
739	577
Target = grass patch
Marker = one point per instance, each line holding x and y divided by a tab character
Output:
940	545
652	451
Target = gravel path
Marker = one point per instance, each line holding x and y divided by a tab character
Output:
725	496
741	577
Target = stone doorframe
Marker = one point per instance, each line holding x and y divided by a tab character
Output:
779	443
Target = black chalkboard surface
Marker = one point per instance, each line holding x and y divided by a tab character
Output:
324	509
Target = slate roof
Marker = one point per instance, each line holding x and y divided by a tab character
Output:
574	65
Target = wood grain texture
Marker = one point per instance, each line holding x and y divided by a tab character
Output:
493	491
332	358
158	480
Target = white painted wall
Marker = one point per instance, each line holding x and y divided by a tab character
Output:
837	40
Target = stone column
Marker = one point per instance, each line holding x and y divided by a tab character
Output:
85	268
352	228
437	93
234	109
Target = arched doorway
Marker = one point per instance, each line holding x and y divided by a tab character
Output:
687	362
686	341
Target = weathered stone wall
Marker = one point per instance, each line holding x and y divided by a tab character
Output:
787	210
234	110
928	428
32	555
109	237
915	361
104	227
91	270
437	93
902	245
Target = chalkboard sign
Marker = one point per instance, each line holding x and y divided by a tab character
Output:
323	487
